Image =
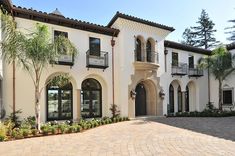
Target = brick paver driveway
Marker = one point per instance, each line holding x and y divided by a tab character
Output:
159	136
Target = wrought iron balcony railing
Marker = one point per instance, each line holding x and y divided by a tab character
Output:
179	69
195	71
149	57
97	61
67	60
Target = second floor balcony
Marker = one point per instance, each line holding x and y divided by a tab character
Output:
179	69
146	62
97	60
194	71
65	59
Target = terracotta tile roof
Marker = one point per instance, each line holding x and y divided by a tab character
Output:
139	20
40	16
180	46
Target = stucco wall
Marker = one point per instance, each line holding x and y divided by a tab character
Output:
79	72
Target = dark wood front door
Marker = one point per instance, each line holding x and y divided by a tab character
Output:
140	101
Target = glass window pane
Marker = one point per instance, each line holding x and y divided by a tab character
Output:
53	104
85	104
227	97
66	103
94	46
175	59
96	103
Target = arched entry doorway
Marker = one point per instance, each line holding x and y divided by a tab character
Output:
91	98
140	100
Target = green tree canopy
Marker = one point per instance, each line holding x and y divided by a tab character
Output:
201	35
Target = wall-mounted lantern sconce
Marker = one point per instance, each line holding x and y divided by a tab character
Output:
133	94
162	94
165	51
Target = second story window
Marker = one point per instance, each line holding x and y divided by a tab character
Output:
175	59
149	51
94	45
191	61
138	50
60	33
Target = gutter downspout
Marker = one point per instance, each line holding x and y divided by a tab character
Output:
113	44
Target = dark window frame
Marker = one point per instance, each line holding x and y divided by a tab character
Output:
138	49
90	90
225	101
174	61
149	51
94	53
59	102
191	61
58	33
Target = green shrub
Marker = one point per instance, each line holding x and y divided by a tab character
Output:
46	129
77	127
25	132
54	129
63	127
15	118
72	129
34	132
17	133
3	132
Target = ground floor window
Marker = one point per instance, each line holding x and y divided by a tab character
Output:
228	96
59	102
91	99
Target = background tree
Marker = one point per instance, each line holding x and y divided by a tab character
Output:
189	37
232	31
35	51
221	65
202	35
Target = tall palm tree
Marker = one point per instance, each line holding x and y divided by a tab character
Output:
34	51
221	64
10	48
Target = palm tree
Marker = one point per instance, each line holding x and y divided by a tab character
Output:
34	51
10	48
221	64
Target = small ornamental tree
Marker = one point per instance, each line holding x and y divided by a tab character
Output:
34	51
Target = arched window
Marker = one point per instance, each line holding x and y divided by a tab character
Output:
59	102
171	99
91	99
179	99
149	52
138	50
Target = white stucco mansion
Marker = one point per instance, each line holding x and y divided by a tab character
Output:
128	63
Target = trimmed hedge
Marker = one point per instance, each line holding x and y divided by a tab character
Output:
205	113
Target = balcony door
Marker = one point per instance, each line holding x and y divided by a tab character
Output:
191	62
91	99
149	51
138	50
94	45
175	59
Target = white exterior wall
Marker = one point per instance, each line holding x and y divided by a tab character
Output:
124	70
79	72
124	55
201	83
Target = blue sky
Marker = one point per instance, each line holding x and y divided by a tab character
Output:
177	13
